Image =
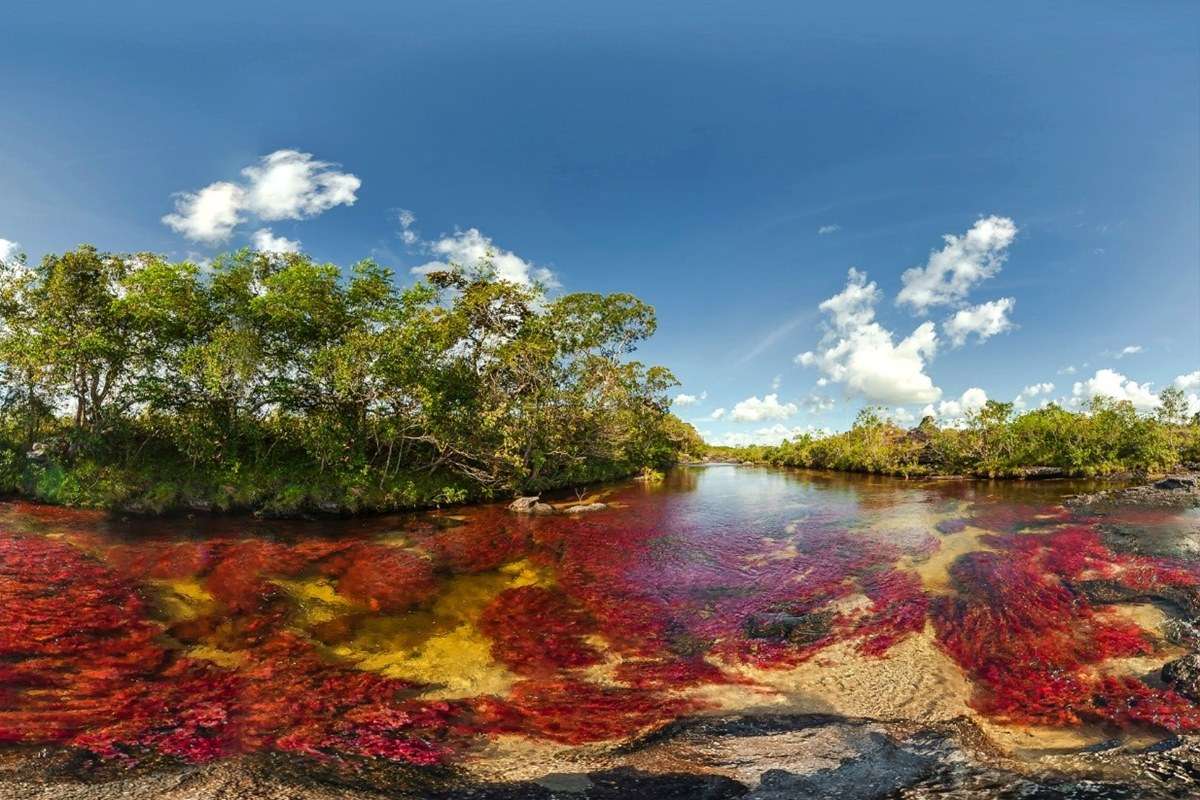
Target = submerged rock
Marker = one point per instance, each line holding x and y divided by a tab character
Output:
1106	591
530	505
1183	675
795	628
583	508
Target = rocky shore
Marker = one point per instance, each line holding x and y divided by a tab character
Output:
1179	490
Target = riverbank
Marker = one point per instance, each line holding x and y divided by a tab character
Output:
280	489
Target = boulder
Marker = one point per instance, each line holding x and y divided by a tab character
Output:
1177	483
583	508
1183	675
530	505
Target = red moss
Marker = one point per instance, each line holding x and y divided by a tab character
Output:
386	578
1033	647
537	631
575	712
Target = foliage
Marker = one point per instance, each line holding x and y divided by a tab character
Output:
1107	437
273	381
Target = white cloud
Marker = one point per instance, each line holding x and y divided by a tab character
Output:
8	250
1129	350
775	382
1021	401
901	416
769	435
470	248
818	404
209	215
963	262
286	184
984	320
407	234
1067	370
717	413
859	353
825	230
1188	381
754	410
682	399
954	413
1112	384
265	241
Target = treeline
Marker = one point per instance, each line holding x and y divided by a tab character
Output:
272	381
1108	437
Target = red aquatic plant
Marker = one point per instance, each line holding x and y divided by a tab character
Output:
538	631
577	712
387	579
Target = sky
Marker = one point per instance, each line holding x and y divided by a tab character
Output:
914	206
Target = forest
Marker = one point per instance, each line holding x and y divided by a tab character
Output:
1107	437
276	383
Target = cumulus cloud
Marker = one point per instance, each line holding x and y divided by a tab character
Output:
209	215
682	399
825	230
859	353
754	410
773	434
470	248
963	262
1031	392
9	251
1189	381
1112	384
984	320
717	413
953	413
265	241
286	184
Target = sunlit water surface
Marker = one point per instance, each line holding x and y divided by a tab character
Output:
502	645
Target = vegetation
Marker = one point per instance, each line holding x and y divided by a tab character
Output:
271	381
1109	437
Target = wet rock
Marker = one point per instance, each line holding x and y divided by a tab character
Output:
795	628
583	508
879	769
1183	675
1183	633
1173	537
1173	491
530	505
1106	591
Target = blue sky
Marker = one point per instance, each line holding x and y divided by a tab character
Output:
727	162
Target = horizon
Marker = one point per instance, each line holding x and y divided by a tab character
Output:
827	210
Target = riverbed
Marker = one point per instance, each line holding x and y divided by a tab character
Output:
731	631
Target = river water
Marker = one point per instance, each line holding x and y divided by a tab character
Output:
726	622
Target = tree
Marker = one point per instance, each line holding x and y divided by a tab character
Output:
1172	406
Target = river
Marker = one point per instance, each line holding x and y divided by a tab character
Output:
730	630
